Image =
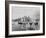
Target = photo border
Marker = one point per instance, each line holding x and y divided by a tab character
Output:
7	18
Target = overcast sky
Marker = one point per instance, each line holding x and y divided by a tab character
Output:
25	11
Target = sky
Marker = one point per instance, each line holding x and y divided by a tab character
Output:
18	12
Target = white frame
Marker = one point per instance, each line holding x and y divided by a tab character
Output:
25	32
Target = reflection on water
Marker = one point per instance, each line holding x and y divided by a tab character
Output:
25	23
